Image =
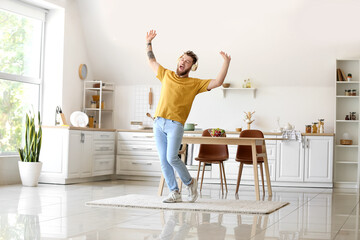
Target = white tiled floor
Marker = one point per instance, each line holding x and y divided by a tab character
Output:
58	212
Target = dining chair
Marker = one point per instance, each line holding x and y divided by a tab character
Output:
212	154
244	155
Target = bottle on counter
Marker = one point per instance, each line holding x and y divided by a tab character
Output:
314	127
308	128
321	126
91	121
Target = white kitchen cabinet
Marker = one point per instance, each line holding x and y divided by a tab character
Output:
104	153
309	162
290	161
137	154
71	156
80	154
318	159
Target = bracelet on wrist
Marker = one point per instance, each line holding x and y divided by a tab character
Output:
148	44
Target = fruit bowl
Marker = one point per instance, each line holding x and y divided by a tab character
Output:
226	85
216	132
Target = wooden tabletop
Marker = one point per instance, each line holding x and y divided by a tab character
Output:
225	140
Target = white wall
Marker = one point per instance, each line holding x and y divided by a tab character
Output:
288	48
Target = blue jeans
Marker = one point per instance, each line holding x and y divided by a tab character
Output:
168	135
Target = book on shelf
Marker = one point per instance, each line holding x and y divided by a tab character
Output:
340	75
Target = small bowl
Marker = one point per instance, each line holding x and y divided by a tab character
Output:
238	129
226	85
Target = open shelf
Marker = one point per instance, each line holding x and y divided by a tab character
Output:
253	90
343	82
348	121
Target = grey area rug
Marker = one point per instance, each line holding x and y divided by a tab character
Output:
201	205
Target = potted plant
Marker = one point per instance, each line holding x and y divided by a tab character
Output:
29	165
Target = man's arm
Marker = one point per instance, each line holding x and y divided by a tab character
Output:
152	60
222	74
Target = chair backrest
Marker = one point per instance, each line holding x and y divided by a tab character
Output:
244	152
213	151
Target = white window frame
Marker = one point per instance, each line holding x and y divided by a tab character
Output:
27	10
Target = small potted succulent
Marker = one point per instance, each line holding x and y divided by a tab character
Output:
29	165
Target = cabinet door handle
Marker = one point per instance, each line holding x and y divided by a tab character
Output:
307	143
135	148
105	148
143	136
82	138
137	163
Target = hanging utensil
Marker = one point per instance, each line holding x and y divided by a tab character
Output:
149	115
150	98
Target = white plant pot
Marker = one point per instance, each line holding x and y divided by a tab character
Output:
30	173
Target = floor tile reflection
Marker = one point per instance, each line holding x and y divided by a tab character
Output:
58	212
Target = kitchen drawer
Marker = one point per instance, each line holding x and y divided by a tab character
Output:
137	149
104	147
136	136
104	135
103	165
138	165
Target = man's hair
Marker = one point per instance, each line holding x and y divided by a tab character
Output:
192	55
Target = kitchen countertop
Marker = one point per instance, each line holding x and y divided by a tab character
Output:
185	132
229	132
81	128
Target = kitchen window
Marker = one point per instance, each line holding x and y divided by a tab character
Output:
21	51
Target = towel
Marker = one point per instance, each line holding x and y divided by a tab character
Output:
292	135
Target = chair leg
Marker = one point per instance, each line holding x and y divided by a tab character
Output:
161	185
202	176
223	170
239	177
221	179
262	177
197	178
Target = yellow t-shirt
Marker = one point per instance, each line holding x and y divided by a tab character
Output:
177	95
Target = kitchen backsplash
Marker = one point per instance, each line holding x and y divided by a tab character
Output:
142	103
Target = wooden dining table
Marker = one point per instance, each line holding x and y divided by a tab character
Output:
253	142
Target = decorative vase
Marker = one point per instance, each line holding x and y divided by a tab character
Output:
30	173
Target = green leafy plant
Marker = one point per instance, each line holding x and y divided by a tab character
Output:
31	150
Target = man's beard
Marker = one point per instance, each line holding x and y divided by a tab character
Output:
183	73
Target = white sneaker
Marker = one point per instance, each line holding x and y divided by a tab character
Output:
192	188
173	197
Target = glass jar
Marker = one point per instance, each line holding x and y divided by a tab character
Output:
91	121
321	126
353	116
92	104
314	127
307	128
353	92
347	93
347	117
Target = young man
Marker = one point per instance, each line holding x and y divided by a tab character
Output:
177	94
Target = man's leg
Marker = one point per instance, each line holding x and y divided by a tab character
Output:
175	131
161	144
